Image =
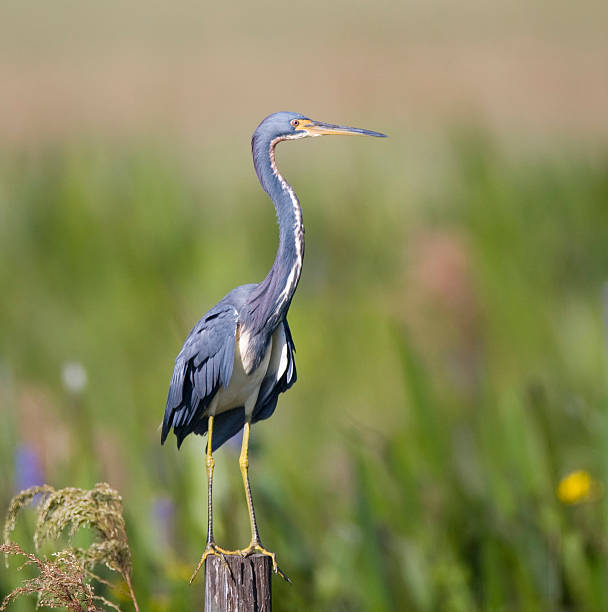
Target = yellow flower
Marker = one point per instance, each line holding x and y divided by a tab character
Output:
577	487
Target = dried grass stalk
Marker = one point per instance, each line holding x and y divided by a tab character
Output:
66	511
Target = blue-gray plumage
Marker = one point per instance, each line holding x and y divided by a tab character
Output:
205	364
240	356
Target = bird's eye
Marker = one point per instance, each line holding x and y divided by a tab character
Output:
295	122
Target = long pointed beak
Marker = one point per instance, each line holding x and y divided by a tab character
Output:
318	128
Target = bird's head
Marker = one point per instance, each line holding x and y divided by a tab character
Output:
289	126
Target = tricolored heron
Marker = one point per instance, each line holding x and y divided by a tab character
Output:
240	355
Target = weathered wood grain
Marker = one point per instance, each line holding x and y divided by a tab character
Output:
243	586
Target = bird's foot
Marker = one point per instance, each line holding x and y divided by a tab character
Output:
256	547
213	549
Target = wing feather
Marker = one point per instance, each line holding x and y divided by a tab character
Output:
202	366
277	380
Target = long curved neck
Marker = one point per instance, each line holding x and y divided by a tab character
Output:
272	296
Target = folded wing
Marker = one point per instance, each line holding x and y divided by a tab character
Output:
280	376
203	365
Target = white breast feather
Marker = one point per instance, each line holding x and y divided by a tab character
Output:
278	360
244	384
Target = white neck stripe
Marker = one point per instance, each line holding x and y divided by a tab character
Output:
298	227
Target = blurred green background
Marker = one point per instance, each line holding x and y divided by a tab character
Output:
450	322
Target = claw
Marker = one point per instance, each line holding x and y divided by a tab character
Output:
258	548
213	549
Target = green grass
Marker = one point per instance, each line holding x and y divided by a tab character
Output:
451	359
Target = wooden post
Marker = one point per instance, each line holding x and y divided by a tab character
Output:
243	586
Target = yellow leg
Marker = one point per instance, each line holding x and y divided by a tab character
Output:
255	546
211	548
